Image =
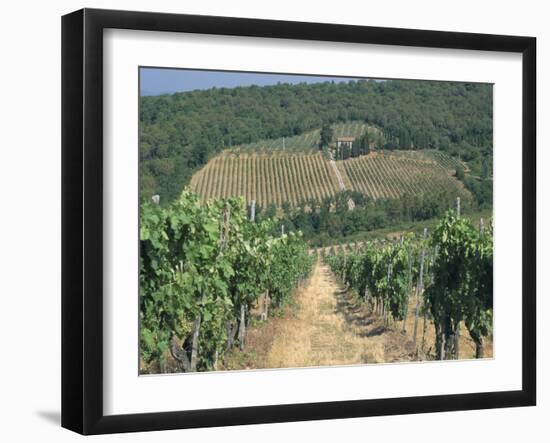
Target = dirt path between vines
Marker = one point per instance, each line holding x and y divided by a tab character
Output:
326	326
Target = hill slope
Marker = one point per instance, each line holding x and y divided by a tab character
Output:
279	177
179	133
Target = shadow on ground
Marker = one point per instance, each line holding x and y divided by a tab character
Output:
53	417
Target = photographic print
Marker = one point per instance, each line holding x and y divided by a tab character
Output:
293	221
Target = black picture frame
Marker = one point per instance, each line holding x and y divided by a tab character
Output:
82	219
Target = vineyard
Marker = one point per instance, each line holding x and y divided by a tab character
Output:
450	275
278	177
267	178
314	227
209	272
437	158
308	142
202	268
390	175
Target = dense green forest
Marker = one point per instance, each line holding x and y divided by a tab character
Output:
180	132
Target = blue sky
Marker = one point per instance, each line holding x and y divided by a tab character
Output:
156	81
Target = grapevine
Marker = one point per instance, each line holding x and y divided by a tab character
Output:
458	282
202	267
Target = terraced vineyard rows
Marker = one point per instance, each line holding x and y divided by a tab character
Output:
279	177
351	129
384	175
308	142
438	158
267	178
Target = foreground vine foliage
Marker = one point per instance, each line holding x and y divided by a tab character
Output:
202	267
453	268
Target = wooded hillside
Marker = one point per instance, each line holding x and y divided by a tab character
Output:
180	132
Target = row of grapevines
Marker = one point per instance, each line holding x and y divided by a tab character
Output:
202	267
461	288
458	281
381	274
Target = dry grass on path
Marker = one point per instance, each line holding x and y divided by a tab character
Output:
325	327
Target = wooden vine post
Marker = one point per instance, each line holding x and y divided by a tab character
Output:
409	287
456	341
265	305
195	346
425	322
252	210
385	308
265	297
442	339
344	271
242	327
187	360
480	351
419	286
